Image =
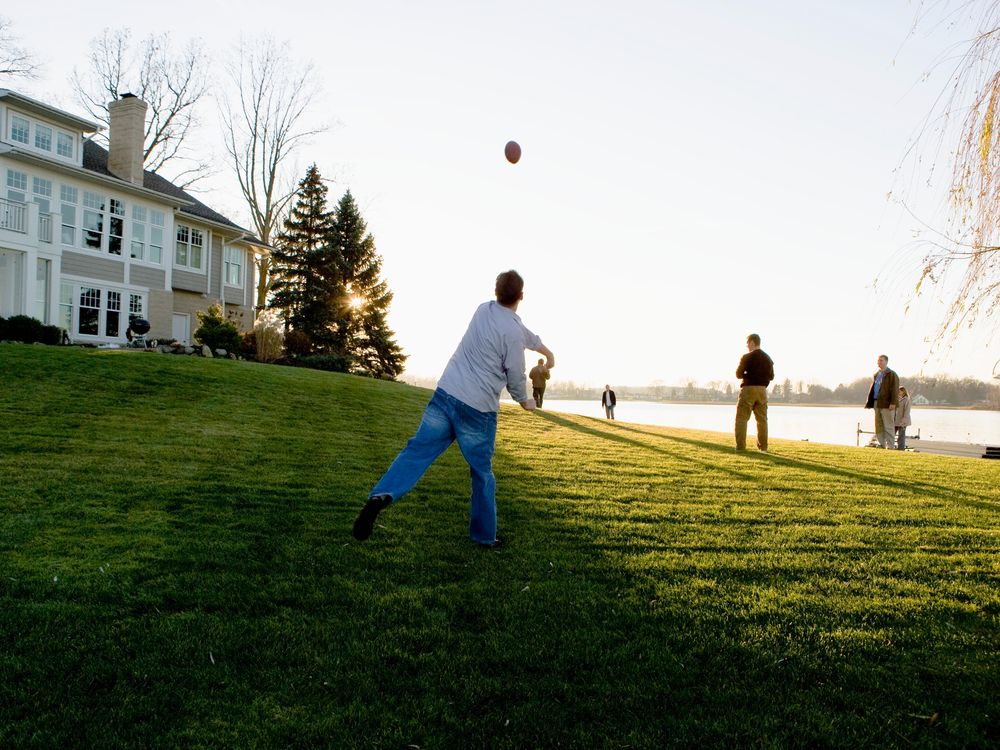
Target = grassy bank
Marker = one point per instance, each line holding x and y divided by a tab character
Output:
176	569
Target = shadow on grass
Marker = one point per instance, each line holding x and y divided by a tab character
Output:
569	424
825	644
939	492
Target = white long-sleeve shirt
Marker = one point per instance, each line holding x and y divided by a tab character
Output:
489	357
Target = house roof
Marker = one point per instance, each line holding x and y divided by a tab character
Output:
44	110
95	159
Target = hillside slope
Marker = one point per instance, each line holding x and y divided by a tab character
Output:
176	569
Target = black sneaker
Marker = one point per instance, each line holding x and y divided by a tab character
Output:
495	544
366	518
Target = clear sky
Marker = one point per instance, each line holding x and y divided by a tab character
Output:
691	172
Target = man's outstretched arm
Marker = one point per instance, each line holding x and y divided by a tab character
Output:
550	358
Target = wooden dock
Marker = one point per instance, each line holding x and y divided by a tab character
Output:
965	450
940	447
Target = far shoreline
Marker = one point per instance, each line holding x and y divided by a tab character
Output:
696	402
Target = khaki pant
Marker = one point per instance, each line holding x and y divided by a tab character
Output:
753	398
885	427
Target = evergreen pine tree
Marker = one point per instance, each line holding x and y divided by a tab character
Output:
304	281
362	329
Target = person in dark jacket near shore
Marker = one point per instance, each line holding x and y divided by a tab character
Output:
608	401
883	398
538	375
756	370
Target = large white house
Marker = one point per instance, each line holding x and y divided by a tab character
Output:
89	240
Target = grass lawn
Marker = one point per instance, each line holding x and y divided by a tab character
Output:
177	570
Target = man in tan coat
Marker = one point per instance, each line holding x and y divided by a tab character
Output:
756	371
538	375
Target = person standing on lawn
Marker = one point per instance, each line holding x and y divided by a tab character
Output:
902	418
883	398
538	375
756	370
464	409
609	401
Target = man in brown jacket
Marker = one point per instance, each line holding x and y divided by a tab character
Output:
538	375
756	370
883	398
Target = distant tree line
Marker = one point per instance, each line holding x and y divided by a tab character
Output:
937	390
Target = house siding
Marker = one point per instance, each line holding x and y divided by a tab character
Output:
215	264
154	278
161	306
241	315
92	267
186	302
188	281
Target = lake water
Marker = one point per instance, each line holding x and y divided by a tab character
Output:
819	424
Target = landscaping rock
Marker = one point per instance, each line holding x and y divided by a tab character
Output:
205	351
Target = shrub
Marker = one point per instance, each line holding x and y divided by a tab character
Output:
3	328
328	362
248	345
297	344
51	335
215	332
269	341
23	328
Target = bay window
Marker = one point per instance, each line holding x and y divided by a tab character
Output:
88	310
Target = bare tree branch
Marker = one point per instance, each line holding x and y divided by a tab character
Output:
172	83
264	122
15	60
964	126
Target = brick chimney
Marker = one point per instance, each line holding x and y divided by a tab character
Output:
127	138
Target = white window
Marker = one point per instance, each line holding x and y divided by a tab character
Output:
42	191
156	219
99	312
64	145
135	308
17	186
19	129
233	270
93	219
189	246
113	315
43	137
116	226
90	312
68	199
139	219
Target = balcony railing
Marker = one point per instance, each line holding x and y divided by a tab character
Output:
14	216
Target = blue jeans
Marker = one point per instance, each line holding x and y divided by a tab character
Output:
445	420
